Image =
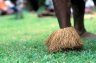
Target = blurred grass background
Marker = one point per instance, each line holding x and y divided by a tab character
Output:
22	41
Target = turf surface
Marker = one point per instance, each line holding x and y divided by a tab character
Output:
22	41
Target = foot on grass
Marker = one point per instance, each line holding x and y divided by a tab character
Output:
88	35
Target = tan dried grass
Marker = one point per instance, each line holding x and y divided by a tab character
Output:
66	38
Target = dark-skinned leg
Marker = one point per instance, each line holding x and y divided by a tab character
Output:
67	38
78	15
62	9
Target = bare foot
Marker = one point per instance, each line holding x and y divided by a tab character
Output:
88	35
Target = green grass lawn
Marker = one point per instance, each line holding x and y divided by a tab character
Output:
22	41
